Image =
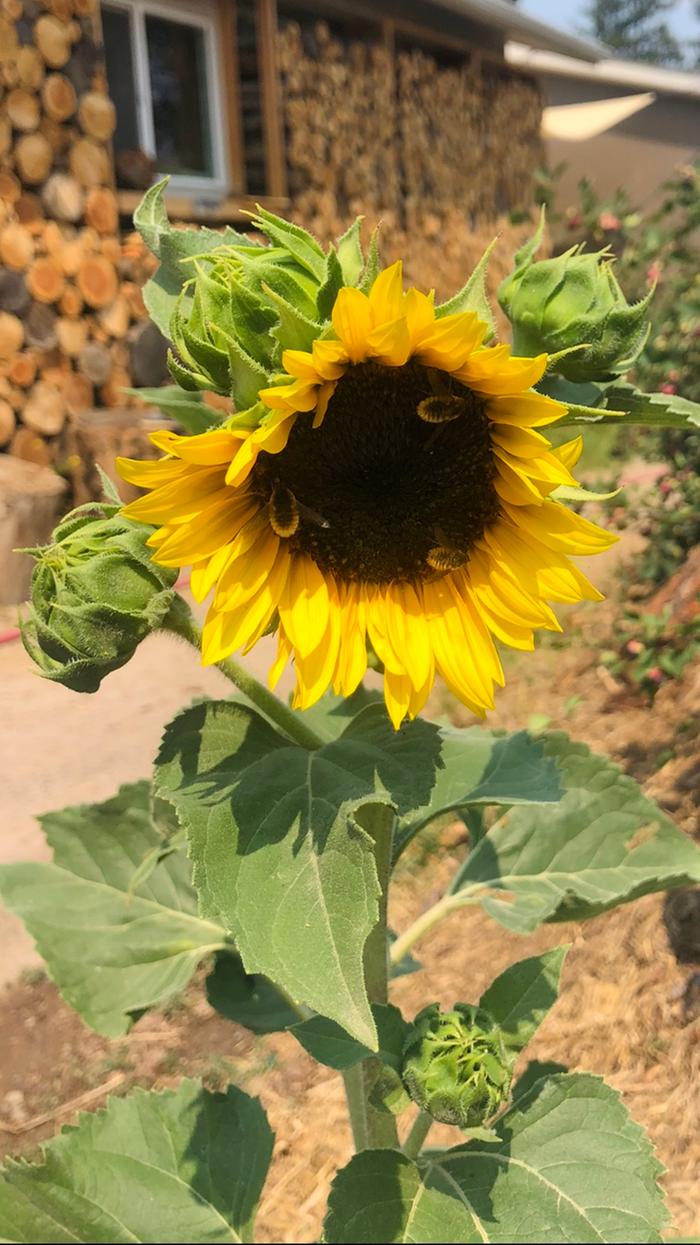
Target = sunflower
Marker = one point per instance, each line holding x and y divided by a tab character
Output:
396	495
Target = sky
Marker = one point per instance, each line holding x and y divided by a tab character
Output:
570	15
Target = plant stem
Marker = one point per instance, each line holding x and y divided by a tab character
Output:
373	1129
180	621
420	1128
403	944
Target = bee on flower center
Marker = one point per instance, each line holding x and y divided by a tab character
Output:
283	510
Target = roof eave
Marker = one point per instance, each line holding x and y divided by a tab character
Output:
521	28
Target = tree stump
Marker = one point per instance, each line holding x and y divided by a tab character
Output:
31	501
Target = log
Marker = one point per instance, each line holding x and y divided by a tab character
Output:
8	41
34	157
11	335
77	394
22	109
62	9
85	8
10	188
97	115
30	447
45	409
12	10
52	38
53	239
28	209
31	501
71	301
58	97
112	394
97	281
16	247
71	257
89	162
95	362
22	370
59	137
14	295
111	248
40	327
45	281
72	335
8	422
5	134
30	68
115	318
63	197
101	210
148	354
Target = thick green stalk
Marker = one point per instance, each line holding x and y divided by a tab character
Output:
180	621
373	1129
420	1128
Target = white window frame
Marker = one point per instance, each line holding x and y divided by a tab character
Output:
204	16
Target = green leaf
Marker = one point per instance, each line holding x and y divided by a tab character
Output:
113	949
294	331
571	1166
330	1045
191	412
372	267
333	281
349	247
281	855
294	239
172	247
602	845
473	296
520	997
654	410
184	1165
251	1001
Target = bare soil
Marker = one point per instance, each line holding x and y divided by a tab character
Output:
628	1009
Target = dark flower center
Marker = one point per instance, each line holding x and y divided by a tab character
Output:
396	484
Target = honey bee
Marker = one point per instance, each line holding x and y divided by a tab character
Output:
441	408
283	511
445	556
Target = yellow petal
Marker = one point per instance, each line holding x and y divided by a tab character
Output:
207	449
315	669
224	633
151	472
397	696
284	652
501	375
352	322
300	363
305	605
562	529
194	541
386	296
248	571
182	499
330	359
570	452
525	410
516	487
390	343
420	315
521	442
300	395
408	632
272	436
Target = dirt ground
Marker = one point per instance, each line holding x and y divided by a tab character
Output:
627	1010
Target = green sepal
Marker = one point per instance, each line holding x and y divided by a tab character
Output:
247	377
333	282
372	266
294	239
295	331
185	377
473	296
350	253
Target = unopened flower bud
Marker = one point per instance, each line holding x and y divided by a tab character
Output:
575	300
456	1066
95	596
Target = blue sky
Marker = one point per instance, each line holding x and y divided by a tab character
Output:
570	15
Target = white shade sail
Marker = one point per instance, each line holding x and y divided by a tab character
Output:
576	122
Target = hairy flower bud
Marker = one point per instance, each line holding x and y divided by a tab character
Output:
573	300
95	596
456	1066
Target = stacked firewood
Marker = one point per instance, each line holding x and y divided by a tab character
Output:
442	151
72	318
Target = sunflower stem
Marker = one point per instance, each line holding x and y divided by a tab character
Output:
424	923
419	1130
371	1128
180	621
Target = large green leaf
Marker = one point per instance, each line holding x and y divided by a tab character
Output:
114	945
281	856
603	844
178	1166
521	996
248	1000
570	1166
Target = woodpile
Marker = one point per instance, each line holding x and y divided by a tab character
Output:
454	140
73	326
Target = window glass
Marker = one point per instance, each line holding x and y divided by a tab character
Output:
116	28
177	67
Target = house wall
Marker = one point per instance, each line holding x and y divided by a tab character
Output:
640	153
435	139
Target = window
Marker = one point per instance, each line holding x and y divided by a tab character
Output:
164	76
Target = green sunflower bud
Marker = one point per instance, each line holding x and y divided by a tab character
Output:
95	596
456	1066
574	300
